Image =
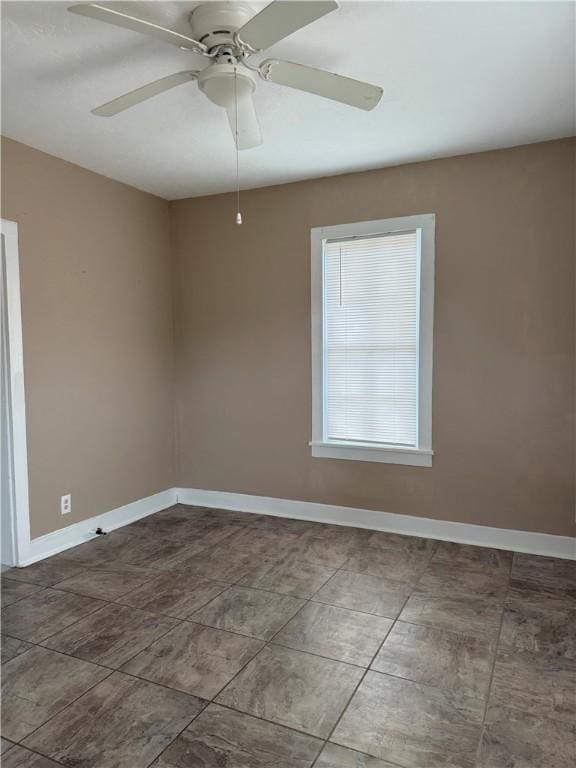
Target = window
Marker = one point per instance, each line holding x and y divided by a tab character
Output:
372	315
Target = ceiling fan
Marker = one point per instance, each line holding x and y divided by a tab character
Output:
228	33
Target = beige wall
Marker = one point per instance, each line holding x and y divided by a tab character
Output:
97	303
504	348
98	336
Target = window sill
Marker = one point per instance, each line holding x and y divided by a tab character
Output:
414	457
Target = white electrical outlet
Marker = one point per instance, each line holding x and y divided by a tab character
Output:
66	504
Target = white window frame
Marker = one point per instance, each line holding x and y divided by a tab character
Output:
420	456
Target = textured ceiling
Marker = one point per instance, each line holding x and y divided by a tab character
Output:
457	77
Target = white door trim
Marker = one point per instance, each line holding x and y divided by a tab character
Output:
16	397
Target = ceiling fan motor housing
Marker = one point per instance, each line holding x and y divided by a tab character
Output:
219	84
215	23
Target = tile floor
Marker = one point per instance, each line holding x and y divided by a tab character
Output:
211	639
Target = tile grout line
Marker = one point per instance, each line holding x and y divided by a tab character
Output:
24	597
33	751
93	613
116	601
109	669
345	708
177	736
496	648
363	677
497	637
85	616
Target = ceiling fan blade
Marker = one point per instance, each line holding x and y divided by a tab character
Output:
249	134
143	93
101	13
280	19
321	83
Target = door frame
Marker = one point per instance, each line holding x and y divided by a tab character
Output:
19	498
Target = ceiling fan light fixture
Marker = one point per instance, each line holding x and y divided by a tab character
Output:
217	83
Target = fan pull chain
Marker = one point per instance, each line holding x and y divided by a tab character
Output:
238	213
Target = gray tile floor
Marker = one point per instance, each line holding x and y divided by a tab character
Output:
211	639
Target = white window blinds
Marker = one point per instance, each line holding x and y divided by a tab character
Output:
371	287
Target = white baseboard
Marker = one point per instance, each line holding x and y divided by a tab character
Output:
463	533
77	533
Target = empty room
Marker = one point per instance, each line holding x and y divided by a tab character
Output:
288	391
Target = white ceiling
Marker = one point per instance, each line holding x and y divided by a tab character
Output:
457	77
